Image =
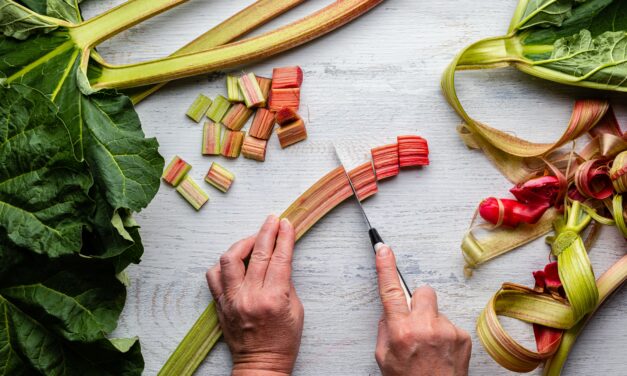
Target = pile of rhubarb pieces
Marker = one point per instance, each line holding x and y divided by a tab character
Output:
267	101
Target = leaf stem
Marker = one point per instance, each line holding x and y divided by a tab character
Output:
234	54
104	26
239	24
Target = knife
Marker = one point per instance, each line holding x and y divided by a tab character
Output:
373	234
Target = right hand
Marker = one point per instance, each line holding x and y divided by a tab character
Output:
416	340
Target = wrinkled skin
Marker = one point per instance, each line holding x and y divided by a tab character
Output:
260	314
418	340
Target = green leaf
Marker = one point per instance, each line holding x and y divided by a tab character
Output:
63	9
546	13
104	126
56	315
19	22
43	190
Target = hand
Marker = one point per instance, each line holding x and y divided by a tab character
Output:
260	314
416	341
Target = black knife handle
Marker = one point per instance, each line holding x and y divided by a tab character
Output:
375	239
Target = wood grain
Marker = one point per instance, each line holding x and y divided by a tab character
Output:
378	76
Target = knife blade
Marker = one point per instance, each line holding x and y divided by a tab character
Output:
373	234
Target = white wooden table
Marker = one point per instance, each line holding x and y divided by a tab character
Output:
379	75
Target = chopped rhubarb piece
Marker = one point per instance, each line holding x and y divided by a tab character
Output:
218	109
287	77
280	98
192	193
263	123
233	92
211	136
292	133
412	151
364	181
219	177
253	96
254	148
385	159
264	84
237	117
232	143
176	171
198	108
286	115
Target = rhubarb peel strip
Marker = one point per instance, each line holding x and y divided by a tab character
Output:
527	305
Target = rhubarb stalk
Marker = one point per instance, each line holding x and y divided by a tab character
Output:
218	109
232	143
385	160
233	54
284	98
192	192
253	96
234	93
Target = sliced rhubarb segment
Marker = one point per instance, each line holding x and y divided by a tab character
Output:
232	143
265	84
218	109
198	108
219	177
287	77
364	180
176	171
292	133
385	160
263	123
237	116
192	193
211	138
233	92
253	96
254	148
280	98
412	151
286	115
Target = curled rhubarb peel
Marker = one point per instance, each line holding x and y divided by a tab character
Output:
535	307
233	54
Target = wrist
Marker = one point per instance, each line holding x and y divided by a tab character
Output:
268	365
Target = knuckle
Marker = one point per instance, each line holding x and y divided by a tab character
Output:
404	338
260	255
379	354
226	259
391	291
463	337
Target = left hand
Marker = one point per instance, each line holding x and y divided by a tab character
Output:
260	314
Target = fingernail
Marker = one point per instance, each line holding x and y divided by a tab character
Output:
382	250
285	224
272	218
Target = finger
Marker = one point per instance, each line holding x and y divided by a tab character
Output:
214	281
279	272
383	341
232	268
425	302
264	246
390	290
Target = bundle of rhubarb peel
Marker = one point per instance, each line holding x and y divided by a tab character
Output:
569	187
76	165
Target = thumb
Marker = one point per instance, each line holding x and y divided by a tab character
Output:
390	290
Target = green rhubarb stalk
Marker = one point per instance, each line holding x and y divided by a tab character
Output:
240	24
194	348
100	28
233	54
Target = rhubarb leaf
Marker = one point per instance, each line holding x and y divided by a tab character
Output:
19	22
546	12
63	9
104	127
57	314
43	189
